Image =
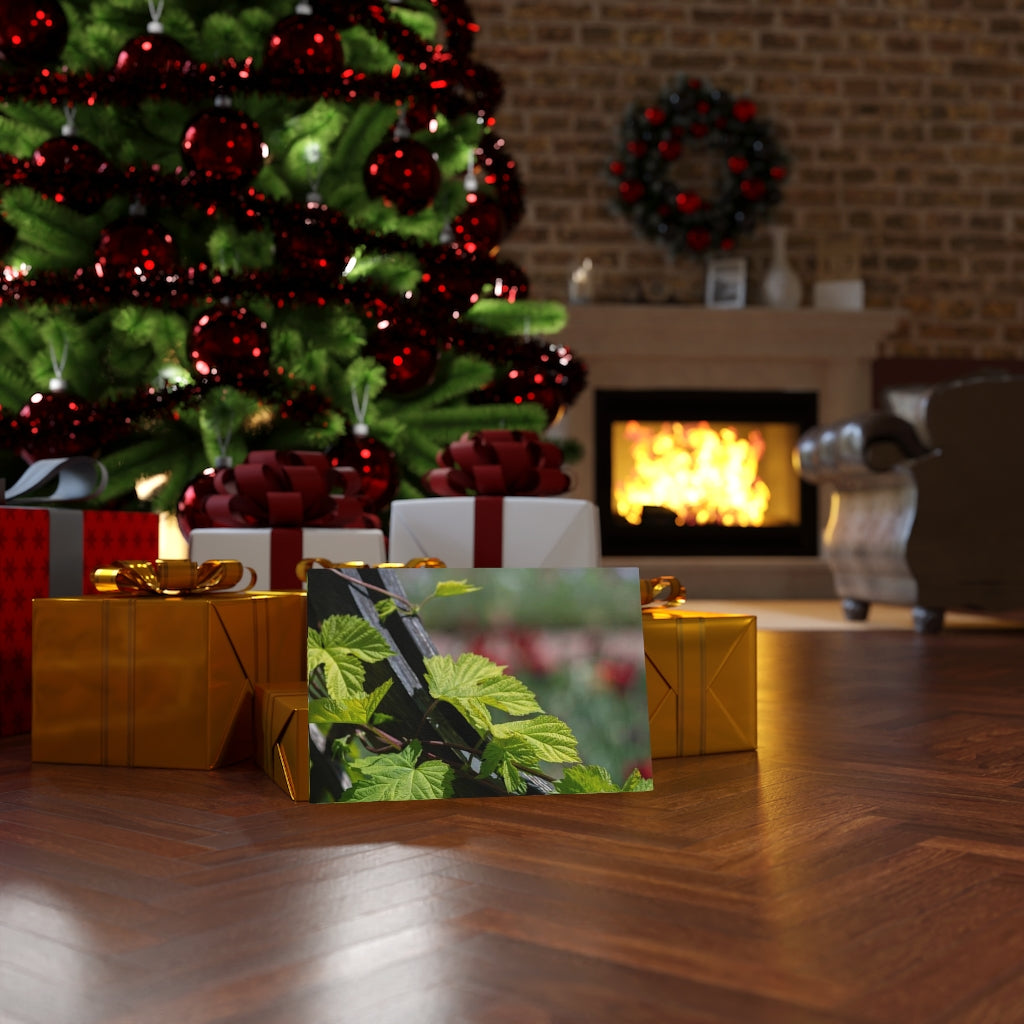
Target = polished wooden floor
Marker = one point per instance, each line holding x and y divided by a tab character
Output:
865	865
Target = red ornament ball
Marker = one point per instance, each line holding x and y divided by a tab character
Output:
303	44
55	423
191	505
67	169
409	358
148	59
310	244
480	228
230	343
223	144
404	174
32	33
373	461
137	246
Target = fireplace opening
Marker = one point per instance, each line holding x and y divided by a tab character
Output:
703	473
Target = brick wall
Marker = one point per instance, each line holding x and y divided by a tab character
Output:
903	121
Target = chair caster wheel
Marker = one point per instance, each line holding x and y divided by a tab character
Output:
854	610
928	620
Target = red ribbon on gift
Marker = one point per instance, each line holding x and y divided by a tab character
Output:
287	489
492	465
498	462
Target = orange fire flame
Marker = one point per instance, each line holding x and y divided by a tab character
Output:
705	476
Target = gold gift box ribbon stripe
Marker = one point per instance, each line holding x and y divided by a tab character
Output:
171	576
661	592
302	569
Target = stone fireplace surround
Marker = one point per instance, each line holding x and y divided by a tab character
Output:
662	347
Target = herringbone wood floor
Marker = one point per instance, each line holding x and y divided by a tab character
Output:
866	865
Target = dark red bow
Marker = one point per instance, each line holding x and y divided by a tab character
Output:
505	462
286	489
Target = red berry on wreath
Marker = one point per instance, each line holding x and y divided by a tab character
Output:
33	33
744	110
223	144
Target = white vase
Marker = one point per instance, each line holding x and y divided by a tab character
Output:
781	287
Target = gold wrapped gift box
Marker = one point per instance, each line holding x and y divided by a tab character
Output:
160	682
701	682
282	737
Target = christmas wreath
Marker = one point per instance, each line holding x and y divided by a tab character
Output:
689	116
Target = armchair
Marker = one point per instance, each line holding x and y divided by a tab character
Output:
926	502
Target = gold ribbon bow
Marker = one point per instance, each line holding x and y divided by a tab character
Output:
302	569
662	592
170	576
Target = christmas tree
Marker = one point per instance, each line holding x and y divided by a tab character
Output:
229	227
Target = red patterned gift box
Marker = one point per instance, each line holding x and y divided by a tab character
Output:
51	552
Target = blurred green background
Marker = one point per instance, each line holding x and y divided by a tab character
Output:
573	636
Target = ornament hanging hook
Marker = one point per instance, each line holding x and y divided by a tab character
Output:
360	405
58	363
156	11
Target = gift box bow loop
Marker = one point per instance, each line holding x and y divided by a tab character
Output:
74	478
498	462
287	489
171	577
661	592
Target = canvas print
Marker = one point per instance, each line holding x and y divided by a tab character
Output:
437	683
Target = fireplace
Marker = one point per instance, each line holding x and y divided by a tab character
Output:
703	472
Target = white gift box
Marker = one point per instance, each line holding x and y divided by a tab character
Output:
273	553
536	533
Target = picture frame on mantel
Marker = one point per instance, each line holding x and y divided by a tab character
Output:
725	284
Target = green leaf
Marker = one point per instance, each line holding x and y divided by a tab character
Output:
636	783
342	646
451	588
386	607
344	676
547	737
353	710
354	635
398	777
473	684
500	758
586	778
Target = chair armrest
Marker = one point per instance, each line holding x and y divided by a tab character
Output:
873	443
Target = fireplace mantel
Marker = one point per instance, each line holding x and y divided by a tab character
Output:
661	347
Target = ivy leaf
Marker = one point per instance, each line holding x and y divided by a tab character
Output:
386	607
357	709
473	684
342	646
546	737
398	777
